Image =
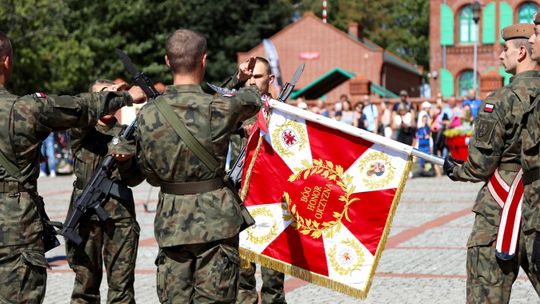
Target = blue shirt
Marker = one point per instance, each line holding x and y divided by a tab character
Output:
474	104
423	136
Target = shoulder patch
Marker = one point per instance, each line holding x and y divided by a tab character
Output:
489	107
483	129
40	95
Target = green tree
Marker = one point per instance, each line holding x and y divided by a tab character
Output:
62	46
46	57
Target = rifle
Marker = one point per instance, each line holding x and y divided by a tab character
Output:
98	190
235	174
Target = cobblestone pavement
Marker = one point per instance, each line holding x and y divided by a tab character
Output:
424	260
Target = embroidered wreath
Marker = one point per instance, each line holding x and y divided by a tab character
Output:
331	172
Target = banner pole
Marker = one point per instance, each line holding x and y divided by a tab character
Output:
428	157
381	140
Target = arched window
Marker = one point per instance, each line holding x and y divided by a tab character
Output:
466	83
468	30
526	12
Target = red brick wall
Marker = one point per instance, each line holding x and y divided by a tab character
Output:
459	57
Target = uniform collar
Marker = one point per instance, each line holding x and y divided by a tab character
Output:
526	74
183	88
4	91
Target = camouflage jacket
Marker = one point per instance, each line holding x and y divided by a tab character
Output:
28	120
496	143
89	147
163	157
530	160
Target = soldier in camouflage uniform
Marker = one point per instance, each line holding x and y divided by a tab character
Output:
27	121
530	161
197	219
113	242
272	287
495	145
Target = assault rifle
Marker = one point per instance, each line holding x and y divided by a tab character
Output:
98	190
235	174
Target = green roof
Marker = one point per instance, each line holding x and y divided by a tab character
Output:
382	91
323	84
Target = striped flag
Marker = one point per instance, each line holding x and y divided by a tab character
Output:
323	195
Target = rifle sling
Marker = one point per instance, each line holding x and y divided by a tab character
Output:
9	166
191	142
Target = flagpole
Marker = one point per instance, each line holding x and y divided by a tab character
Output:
349	129
428	157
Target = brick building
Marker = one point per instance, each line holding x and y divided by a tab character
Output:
453	33
338	62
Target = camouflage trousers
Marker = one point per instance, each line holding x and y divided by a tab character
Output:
112	243
272	287
23	274
489	280
198	273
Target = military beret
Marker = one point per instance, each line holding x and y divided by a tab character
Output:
536	18
515	31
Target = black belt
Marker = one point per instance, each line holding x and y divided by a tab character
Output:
511	167
6	187
530	176
181	188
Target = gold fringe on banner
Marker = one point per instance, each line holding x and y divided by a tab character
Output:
325	281
390	219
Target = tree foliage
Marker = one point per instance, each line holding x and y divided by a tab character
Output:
61	46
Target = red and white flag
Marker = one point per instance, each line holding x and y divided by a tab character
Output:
323	195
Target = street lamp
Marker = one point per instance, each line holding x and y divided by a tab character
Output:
476	18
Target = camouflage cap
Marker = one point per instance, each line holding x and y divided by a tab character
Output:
518	31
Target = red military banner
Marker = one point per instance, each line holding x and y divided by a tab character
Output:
323	195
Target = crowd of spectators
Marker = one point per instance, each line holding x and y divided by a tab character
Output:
421	125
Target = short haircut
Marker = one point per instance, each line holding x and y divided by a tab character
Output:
98	82
185	49
266	64
5	46
525	42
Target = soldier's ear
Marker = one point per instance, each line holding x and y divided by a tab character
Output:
522	54
203	60
167	62
6	62
272	77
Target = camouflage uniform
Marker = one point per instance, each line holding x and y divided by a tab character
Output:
197	233
27	122
272	287
113	242
496	145
530	162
